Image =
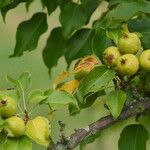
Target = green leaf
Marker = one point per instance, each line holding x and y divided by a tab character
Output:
115	2
58	99
4	3
23	83
51	5
142	26
55	48
12	93
25	80
144	83
129	96
133	137
14	82
88	100
79	45
3	138
28	3
2	121
12	5
115	101
144	120
114	34
2	124
122	13
36	96
100	42
63	2
89	6
89	140
22	143
29	32
97	80
72	17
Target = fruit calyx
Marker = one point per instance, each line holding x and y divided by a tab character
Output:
123	61
126	35
3	102
110	55
110	59
26	117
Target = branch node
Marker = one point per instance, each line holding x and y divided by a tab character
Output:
63	138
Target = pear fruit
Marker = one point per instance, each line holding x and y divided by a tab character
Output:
129	43
144	60
15	126
38	130
8	106
110	55
128	64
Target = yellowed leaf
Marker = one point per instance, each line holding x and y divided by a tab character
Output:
87	63
70	86
61	77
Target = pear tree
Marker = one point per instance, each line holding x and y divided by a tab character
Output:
107	58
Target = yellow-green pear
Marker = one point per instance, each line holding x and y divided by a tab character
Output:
128	64
8	106
15	126
129	43
110	55
38	129
144	60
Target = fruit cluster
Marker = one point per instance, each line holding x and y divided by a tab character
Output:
15	126
124	57
127	58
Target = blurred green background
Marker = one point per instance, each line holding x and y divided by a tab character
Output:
33	63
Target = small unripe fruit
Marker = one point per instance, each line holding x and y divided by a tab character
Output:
8	106
110	55
15	126
38	129
84	66
129	43
145	60
128	64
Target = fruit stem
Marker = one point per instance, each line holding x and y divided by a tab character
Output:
125	29
20	108
33	108
24	101
26	116
19	114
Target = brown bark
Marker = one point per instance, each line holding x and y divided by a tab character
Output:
76	138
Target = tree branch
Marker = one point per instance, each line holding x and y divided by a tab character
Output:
80	134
